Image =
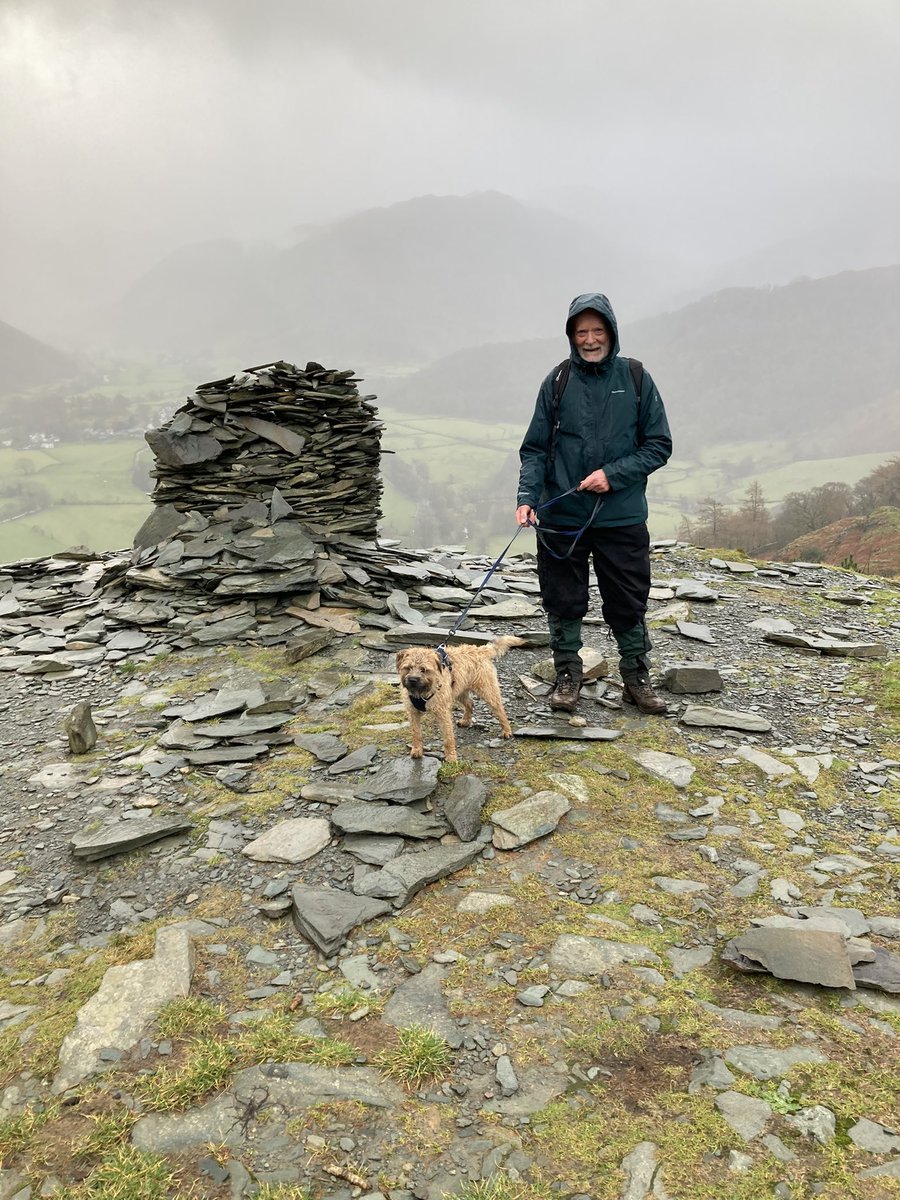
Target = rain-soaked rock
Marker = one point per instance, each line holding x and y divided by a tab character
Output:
721	718
462	808
106	839
532	818
356	760
807	955
326	747
326	915
693	678
291	841
674	770
364	816
262	1100
79	728
400	879
402	780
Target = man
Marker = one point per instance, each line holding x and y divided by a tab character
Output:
600	445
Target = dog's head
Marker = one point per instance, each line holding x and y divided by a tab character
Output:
420	670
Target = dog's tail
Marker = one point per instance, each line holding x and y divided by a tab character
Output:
500	645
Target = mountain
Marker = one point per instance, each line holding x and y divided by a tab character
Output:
26	362
384	287
816	361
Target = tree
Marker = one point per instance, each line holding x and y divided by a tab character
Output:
880	488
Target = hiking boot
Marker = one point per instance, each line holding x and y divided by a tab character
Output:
640	692
565	691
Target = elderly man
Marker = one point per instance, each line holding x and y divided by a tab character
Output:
599	429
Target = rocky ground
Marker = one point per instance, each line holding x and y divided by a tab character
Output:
560	985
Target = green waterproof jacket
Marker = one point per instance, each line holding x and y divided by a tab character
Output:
602	422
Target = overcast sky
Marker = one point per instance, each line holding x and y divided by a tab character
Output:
131	126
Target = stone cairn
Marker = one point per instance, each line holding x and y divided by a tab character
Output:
260	479
307	432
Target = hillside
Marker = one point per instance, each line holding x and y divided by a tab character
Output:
26	362
251	948
387	286
872	542
816	362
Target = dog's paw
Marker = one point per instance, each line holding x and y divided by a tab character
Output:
416	753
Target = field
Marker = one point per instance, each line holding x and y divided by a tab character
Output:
445	459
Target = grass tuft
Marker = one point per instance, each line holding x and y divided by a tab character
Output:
130	1174
418	1055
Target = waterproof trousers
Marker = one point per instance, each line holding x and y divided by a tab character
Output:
620	556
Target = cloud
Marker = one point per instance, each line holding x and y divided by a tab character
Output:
722	122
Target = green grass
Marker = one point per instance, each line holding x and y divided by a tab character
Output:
130	1174
96	504
418	1055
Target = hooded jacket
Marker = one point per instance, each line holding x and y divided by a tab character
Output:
602	423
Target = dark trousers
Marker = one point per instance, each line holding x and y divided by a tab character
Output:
621	559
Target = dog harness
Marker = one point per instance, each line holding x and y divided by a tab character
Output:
419	702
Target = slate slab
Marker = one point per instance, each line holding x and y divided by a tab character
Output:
326	747
119	837
286	1088
746	1115
402	780
128	998
371	848
420	1001
462	808
874	1138
693	678
577	955
325	916
807	955
765	1062
292	841
402	877
529	820
364	816
356	760
695	632
668	767
569	733
704	716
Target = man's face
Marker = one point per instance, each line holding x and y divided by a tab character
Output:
591	336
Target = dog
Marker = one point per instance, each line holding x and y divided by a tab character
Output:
433	681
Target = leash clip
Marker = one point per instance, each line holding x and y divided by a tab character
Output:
443	657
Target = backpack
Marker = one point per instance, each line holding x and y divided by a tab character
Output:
635	366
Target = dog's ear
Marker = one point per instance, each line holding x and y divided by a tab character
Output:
401	655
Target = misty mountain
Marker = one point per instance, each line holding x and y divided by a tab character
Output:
26	362
816	361
385	287
861	234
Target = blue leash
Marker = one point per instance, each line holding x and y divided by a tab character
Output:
442	648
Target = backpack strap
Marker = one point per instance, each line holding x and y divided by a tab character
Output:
636	367
560	379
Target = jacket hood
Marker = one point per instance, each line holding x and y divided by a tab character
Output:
599	303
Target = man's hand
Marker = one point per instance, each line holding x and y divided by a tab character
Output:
525	515
595	482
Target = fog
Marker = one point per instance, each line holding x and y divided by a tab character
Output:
705	129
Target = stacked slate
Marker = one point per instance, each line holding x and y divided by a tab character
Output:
307	433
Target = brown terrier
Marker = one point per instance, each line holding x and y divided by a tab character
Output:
433	682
